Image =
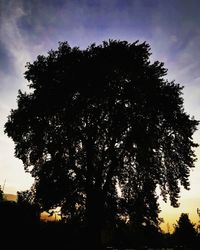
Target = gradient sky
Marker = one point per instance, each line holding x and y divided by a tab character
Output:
32	27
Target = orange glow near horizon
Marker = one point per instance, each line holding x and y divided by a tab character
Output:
189	202
168	213
171	215
45	217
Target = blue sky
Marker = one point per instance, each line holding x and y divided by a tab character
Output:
32	27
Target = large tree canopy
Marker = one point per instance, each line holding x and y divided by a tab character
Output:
101	129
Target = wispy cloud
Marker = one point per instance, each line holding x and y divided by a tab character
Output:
15	53
10	35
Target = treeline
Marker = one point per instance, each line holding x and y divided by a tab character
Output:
20	221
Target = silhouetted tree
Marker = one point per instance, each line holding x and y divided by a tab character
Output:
99	120
1	194
29	211
185	233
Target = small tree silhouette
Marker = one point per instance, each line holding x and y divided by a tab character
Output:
185	233
1	194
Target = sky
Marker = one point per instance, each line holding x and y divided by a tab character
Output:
32	27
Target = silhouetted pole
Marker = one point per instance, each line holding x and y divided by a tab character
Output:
4	185
198	227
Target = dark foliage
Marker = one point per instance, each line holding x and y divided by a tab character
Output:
1	194
185	234
24	232
101	119
29	210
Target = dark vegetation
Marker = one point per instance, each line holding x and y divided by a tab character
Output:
100	130
21	225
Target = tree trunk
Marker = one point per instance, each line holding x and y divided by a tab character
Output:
94	217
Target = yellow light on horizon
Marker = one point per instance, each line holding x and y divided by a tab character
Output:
171	214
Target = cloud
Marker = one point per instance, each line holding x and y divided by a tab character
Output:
44	23
14	53
11	36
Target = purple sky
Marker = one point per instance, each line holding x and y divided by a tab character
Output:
32	27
